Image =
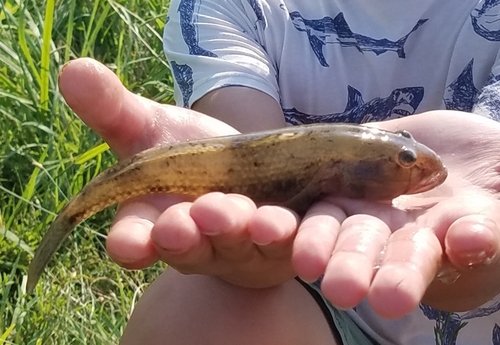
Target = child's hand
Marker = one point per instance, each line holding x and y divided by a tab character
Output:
212	236
452	231
228	237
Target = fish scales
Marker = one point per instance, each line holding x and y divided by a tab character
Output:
291	166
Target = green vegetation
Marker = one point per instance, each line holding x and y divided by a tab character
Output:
47	155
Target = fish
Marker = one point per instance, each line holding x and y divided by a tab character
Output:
292	167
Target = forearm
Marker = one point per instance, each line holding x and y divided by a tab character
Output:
244	108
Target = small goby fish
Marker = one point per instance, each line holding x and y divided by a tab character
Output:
292	167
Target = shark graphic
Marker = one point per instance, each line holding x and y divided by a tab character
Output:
330	30
188	28
496	335
482	312
401	102
486	20
183	75
447	327
259	12
487	103
448	324
461	94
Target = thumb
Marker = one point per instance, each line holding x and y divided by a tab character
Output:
127	122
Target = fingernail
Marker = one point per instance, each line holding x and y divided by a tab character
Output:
63	68
241	201
480	249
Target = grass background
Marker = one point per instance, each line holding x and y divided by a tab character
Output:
47	155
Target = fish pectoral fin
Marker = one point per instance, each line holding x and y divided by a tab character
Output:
327	180
300	203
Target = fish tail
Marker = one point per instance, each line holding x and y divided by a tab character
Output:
58	231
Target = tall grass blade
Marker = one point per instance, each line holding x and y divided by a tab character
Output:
45	56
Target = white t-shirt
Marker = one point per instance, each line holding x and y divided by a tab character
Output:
351	61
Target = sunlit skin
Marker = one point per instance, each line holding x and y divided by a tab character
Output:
228	237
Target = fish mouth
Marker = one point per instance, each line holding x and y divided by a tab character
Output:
431	182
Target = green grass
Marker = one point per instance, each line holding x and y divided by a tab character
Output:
47	155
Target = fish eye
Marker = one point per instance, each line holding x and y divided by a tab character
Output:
405	134
407	158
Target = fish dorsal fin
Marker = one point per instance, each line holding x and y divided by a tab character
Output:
354	99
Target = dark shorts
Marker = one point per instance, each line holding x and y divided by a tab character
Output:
343	328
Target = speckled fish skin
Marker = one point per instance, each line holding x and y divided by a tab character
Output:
292	166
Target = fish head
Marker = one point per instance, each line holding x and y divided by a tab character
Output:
427	172
392	166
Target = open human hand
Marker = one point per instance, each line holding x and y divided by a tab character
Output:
229	237
391	254
210	236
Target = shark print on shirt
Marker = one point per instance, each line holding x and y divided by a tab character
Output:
486	20
330	30
448	325
188	20
461	94
183	75
496	334
259	12
401	102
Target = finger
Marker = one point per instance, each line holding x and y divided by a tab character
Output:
129	240
223	219
467	227
472	241
98	97
222	214
178	240
315	240
272	224
409	264
273	229
129	123
356	255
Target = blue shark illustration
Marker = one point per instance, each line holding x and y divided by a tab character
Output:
481	312
448	325
183	75
495	337
486	20
461	94
259	12
401	102
330	30
188	28
488	102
